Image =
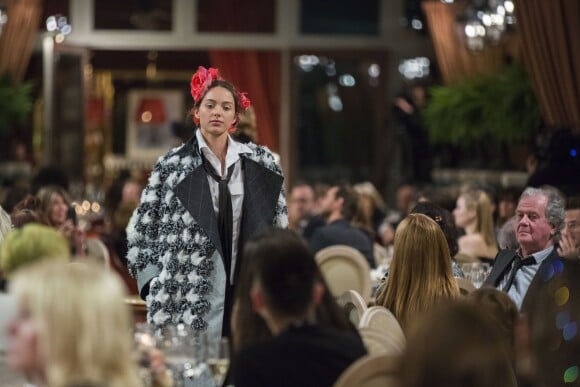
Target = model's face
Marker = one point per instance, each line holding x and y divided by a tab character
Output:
533	231
23	353
572	226
58	209
216	112
463	216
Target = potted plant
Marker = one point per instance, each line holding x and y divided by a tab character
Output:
15	103
500	108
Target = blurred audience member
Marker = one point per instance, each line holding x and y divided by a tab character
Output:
72	328
552	315
405	200
569	244
316	220
285	291
445	220
474	214
506	235
300	206
420	274
25	211
456	345
14	196
31	243
540	215
339	208
507	201
248	327
54	208
371	204
499	307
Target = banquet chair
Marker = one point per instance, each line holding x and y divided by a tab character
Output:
97	249
344	268
374	370
376	341
353	305
382	320
465	286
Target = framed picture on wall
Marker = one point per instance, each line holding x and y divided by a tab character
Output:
150	114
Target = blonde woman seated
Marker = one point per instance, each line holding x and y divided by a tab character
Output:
420	272
474	213
72	328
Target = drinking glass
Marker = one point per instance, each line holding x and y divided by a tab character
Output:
144	343
175	342
218	359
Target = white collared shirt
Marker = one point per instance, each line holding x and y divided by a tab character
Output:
236	186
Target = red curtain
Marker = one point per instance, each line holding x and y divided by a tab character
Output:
258	74
18	35
455	61
550	35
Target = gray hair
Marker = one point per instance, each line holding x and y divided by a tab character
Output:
506	235
555	207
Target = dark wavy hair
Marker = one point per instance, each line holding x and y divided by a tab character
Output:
444	219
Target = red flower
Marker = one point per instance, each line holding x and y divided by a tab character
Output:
244	101
201	80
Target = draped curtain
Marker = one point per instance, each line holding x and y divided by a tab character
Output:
550	35
258	74
455	61
18	35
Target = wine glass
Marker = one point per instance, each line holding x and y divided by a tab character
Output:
218	359
179	356
199	347
144	343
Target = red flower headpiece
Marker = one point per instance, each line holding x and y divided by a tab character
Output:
202	80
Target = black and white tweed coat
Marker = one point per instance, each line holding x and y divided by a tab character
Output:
173	238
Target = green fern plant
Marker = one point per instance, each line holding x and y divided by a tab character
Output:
500	107
15	103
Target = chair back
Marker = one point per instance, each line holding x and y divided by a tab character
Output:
374	370
376	341
345	268
465	286
353	305
97	249
381	319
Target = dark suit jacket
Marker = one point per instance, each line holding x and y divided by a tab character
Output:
305	356
502	266
341	232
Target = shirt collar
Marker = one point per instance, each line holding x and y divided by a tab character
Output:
541	255
234	148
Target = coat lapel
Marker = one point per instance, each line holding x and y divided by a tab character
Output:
501	264
194	193
261	192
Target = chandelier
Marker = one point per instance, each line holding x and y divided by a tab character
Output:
486	22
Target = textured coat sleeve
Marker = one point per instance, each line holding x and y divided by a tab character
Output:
142	232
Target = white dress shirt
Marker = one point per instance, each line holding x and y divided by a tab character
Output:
236	186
